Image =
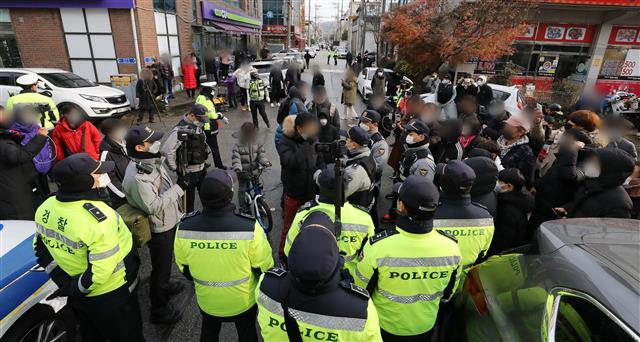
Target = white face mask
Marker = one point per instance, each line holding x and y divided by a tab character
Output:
324	122
480	82
626	182
409	139
364	126
304	136
446	82
379	74
103	180
591	170
155	147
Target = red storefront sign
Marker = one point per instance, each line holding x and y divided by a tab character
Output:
625	35
561	33
629	3
274	29
608	86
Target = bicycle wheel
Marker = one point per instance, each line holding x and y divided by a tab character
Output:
263	214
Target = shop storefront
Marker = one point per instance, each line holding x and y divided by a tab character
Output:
620	66
226	29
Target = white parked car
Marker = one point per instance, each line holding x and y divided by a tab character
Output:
24	286
365	77
513	101
264	68
298	57
342	53
95	100
311	51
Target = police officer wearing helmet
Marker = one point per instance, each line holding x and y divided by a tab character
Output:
416	159
258	96
30	95
315	300
409	271
187	152
211	128
223	254
356	223
457	215
360	167
87	250
370	121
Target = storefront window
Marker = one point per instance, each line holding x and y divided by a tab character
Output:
521	57
272	12
621	63
9	53
165	5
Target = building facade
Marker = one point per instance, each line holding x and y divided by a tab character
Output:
99	38
275	23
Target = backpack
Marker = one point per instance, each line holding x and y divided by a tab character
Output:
138	223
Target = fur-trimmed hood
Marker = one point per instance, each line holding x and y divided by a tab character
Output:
289	126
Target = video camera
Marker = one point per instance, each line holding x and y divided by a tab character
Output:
337	149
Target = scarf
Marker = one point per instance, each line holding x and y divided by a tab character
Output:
504	148
44	159
465	141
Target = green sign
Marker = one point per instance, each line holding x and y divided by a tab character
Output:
235	17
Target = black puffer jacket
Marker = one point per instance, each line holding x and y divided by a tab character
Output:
511	221
494	124
604	196
111	150
18	175
299	161
485	95
445	144
486	178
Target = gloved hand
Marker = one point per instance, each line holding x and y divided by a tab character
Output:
43	256
183	182
226	121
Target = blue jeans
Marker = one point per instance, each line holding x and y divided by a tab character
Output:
168	88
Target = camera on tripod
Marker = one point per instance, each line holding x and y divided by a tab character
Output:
337	149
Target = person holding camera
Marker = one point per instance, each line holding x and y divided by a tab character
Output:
299	161
148	187
29	95
187	152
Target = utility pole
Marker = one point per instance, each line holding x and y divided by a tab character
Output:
363	15
289	23
309	24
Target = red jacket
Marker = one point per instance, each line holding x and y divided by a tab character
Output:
69	140
189	76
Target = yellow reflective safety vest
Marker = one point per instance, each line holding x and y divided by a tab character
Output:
344	313
256	89
408	275
211	111
356	227
86	235
219	251
473	234
35	98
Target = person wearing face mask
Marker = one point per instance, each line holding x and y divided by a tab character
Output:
88	252
515	203
602	193
298	162
485	93
258	97
379	82
369	121
18	172
515	151
321	102
378	103
444	141
189	158
466	87
401	267
416	159
328	133
113	148
445	99
470	134
493	119
360	167
75	134
149	187
29	95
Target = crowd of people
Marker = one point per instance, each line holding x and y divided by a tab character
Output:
470	180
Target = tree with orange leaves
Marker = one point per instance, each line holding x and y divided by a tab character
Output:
429	33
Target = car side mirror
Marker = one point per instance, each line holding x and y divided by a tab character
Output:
41	85
46	93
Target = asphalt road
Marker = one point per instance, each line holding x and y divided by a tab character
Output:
188	329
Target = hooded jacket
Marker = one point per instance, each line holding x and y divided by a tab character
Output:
84	138
18	174
511	221
449	147
292	105
604	196
486	178
298	160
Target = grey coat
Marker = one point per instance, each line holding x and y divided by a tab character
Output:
380	152
248	156
356	176
154	194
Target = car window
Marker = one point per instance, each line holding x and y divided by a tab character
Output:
263	68
500	95
67	80
6	78
370	74
580	320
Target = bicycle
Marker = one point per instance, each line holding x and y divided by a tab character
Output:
254	200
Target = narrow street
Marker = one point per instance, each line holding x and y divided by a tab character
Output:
188	329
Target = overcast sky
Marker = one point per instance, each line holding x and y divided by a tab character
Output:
327	9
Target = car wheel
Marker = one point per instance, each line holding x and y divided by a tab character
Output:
39	324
